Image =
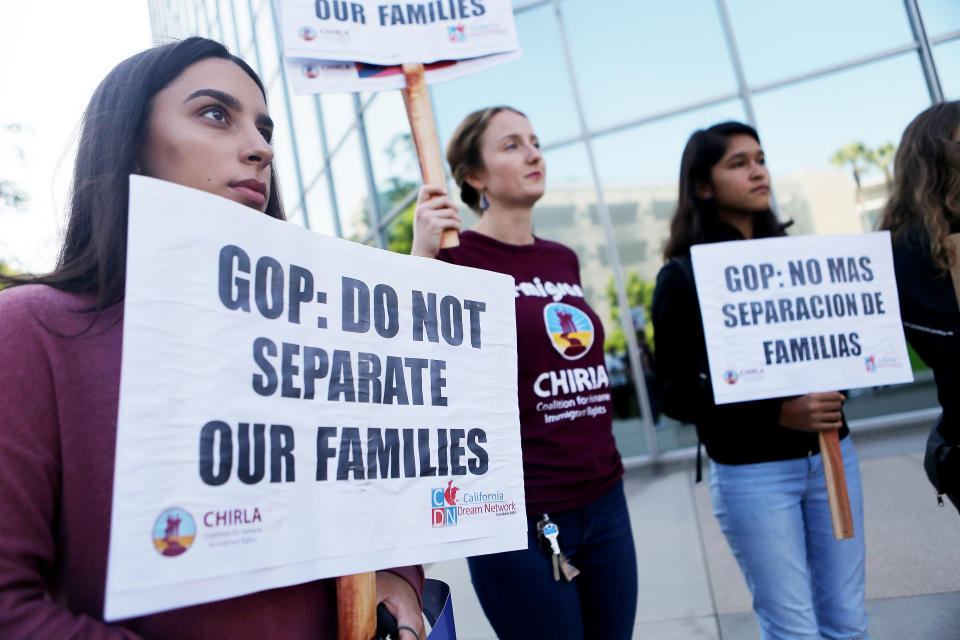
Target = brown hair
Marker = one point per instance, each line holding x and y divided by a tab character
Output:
926	192
463	151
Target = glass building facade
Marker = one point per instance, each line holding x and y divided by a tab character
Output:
614	88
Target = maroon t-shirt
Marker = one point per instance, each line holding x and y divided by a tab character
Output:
569	456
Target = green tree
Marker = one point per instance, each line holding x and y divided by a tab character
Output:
5	268
882	158
856	155
639	294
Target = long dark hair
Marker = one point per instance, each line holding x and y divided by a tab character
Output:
926	193
705	148
93	255
463	151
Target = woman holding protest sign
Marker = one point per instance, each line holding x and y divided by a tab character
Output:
923	216
766	474
572	472
189	113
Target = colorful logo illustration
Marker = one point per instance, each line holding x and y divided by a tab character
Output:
443	506
871	363
730	376
307	33
174	532
456	33
570	329
310	70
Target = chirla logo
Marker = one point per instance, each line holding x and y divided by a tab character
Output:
730	376
173	532
569	328
307	33
443	503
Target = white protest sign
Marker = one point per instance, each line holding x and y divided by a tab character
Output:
393	33
794	315
334	76
295	406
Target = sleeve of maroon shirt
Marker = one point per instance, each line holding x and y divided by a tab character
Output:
30	482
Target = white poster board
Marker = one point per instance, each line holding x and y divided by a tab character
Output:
394	33
801	314
295	406
335	76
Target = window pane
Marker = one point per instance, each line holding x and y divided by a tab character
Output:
395	166
267	42
820	32
939	16
308	137
283	152
567	214
656	44
947	58
321	212
337	116
536	84
245	28
351	186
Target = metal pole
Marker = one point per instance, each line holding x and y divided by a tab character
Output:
293	130
626	320
236	30
256	45
327	166
368	170
746	96
926	54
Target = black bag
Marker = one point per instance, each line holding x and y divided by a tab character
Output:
940	461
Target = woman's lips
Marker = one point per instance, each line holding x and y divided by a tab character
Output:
250	194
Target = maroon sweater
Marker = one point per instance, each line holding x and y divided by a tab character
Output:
58	423
569	456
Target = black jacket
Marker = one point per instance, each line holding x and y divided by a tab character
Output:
737	433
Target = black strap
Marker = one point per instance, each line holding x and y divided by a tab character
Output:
687	267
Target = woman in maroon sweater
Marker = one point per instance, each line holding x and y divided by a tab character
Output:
572	470
192	114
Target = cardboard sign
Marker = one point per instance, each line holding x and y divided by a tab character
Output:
388	33
334	76
794	315
295	406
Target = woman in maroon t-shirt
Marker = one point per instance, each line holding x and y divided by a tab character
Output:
572	470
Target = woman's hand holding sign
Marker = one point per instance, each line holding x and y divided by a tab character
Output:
813	411
435	213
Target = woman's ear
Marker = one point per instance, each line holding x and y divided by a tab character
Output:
704	191
474	181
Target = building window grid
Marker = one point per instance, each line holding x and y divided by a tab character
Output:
745	91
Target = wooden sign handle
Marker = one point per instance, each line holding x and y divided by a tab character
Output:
836	485
416	98
357	606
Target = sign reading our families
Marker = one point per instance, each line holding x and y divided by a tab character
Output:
794	315
294	407
387	33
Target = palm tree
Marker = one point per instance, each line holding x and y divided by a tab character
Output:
853	153
882	158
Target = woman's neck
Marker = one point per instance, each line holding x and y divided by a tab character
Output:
742	221
507	225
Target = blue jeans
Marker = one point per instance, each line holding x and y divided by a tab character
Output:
805	584
521	600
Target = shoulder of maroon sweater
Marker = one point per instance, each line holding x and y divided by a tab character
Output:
40	309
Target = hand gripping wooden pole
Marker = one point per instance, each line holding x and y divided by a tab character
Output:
836	485
357	606
420	113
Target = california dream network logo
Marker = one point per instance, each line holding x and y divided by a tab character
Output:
443	504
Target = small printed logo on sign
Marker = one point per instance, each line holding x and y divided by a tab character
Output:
174	532
871	363
457	33
443	503
307	33
570	330
310	70
730	376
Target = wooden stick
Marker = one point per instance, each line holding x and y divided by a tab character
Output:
357	606
836	485
420	113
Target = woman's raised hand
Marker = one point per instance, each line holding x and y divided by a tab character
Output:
813	411
434	214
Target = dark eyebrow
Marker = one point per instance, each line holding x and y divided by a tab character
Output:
227	99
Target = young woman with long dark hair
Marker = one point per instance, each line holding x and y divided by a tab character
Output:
766	474
922	211
572	470
189	113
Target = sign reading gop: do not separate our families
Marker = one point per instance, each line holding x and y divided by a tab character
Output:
794	315
295	407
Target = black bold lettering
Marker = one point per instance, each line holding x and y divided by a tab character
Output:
208	434
425	317
288	370
281	453
356	306
437	383
234	290
351	454
478	465
385	319
301	290
324	451
243	452
269	301
266	384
